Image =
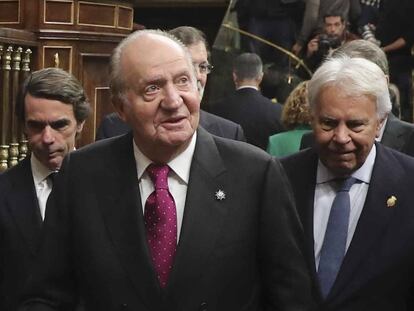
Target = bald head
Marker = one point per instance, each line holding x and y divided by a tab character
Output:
154	44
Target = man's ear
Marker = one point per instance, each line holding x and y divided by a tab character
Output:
259	78
79	127
235	79
380	125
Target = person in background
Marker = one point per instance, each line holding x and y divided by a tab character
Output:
296	120
196	42
354	195
168	216
395	33
52	108
315	10
334	34
257	115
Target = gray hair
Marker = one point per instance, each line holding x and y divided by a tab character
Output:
118	85
247	66
354	76
190	36
54	84
364	49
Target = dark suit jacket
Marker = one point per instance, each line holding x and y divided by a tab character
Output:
398	135
240	253
257	115
377	271
112	125
20	230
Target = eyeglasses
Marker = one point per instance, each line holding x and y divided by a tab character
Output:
204	68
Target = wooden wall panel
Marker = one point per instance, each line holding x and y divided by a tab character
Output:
95	80
58	12
9	11
58	56
94	14
125	17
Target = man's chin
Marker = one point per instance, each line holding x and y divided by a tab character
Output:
178	139
54	163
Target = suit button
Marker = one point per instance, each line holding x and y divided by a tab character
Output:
124	306
203	306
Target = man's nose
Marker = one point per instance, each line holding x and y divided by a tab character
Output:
48	136
172	98
341	134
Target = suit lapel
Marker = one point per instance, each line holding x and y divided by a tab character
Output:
23	206
122	210
203	216
372	223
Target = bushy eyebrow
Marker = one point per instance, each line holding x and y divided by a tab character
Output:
57	124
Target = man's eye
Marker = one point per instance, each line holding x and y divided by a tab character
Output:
356	126
151	89
35	126
59	125
183	81
328	124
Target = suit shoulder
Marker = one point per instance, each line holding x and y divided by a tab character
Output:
102	147
21	168
15	174
395	157
222	121
240	150
299	162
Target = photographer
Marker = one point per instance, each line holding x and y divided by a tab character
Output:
333	36
395	32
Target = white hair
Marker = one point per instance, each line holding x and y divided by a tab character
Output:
355	77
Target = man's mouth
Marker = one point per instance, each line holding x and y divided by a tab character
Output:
174	121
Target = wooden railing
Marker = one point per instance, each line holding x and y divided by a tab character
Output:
15	67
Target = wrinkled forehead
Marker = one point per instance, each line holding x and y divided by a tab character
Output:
153	52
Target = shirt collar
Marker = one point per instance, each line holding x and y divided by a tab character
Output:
181	164
363	174
248	87
39	171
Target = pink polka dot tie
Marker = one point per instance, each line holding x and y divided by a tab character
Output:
161	222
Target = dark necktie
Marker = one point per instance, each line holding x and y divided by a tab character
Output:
334	243
161	223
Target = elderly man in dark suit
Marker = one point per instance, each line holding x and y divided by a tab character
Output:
353	194
169	217
258	116
52	107
197	45
396	134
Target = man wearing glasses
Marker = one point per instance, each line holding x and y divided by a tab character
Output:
197	45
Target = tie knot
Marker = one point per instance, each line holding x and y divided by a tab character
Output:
346	184
159	175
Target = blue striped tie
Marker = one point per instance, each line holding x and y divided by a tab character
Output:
334	243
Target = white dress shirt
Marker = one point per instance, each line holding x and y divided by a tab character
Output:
177	178
43	185
325	193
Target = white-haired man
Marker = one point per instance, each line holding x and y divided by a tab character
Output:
353	194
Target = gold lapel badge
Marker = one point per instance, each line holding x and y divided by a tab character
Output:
220	195
391	201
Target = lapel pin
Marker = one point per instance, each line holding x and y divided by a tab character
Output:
220	195
391	201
